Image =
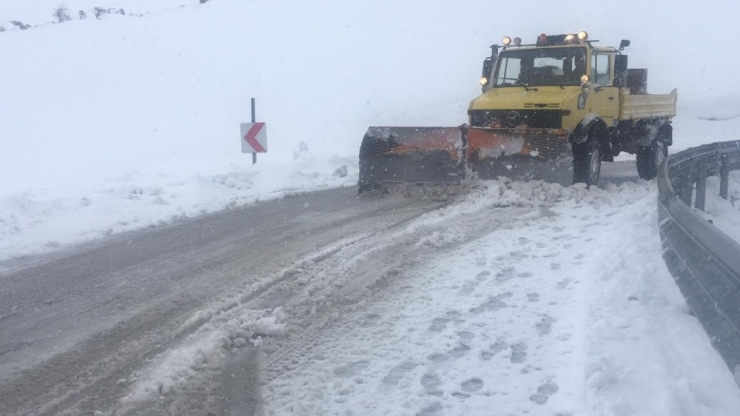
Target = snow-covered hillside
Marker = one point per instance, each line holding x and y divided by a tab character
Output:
130	121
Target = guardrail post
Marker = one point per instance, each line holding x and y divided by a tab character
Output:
701	184
687	190
724	177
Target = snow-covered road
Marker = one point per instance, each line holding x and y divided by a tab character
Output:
511	297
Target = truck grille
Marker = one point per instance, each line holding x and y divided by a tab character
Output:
536	119
542	105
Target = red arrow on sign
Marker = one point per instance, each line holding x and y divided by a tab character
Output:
251	137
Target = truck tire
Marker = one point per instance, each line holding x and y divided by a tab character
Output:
649	159
587	160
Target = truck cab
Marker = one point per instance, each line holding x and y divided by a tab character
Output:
564	90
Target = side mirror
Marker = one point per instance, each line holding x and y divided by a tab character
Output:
620	70
623	44
487	67
485	80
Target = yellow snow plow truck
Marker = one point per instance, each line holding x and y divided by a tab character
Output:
558	104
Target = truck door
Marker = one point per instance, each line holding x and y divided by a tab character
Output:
604	99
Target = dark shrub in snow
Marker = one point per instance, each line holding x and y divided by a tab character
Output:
99	11
61	13
20	25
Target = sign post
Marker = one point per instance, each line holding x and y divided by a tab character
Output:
254	120
253	136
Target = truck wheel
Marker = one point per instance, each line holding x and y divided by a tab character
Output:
587	161
649	159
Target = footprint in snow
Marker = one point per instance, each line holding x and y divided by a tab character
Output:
483	275
544	325
544	392
431	383
480	261
440	323
494	349
505	274
431	409
466	335
472	385
457	352
519	255
396	374
562	284
519	353
533	297
351	369
467	288
370	321
493	303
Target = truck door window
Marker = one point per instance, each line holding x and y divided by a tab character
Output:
509	71
600	69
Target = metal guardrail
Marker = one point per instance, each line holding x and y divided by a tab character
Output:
704	261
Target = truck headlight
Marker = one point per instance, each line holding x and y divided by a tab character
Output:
585	79
484	81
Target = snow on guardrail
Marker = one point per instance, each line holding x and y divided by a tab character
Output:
704	261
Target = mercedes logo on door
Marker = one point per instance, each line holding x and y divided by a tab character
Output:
513	119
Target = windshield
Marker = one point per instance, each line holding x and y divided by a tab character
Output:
546	66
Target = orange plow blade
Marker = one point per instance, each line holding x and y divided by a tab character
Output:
518	153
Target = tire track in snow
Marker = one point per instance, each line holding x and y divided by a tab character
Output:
191	269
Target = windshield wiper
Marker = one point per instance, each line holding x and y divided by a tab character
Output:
529	89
